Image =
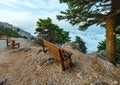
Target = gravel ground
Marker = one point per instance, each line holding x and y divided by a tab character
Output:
27	66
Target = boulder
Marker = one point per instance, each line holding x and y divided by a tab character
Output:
46	62
3	81
102	54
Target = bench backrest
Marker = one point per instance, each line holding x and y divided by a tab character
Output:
4	37
55	50
60	55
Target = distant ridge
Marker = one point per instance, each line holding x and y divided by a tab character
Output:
19	30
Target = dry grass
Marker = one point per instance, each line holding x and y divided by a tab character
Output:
24	68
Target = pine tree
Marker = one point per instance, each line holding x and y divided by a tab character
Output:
101	12
81	44
51	32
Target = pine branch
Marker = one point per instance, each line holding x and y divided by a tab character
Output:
118	32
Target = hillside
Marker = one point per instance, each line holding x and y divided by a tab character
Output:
9	32
20	32
28	65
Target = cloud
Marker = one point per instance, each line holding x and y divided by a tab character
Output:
24	20
38	4
91	37
29	4
9	4
51	5
25	13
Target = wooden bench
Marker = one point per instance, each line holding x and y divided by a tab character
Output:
9	42
60	55
12	43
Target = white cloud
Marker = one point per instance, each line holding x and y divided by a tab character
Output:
27	12
49	5
7	3
19	19
91	37
29	4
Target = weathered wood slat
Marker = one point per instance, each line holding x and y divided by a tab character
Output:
60	55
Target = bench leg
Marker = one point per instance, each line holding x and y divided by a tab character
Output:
7	43
43	48
13	46
62	65
18	45
70	62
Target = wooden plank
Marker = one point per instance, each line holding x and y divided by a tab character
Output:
61	55
10	42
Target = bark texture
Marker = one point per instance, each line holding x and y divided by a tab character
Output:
110	39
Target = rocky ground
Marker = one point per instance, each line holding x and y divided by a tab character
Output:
28	65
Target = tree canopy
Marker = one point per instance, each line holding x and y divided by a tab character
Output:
80	44
88	12
51	32
100	12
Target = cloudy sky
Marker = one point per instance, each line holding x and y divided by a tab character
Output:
25	13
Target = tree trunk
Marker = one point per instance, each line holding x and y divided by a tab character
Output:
110	39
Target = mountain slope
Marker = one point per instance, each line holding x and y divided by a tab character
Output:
21	32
